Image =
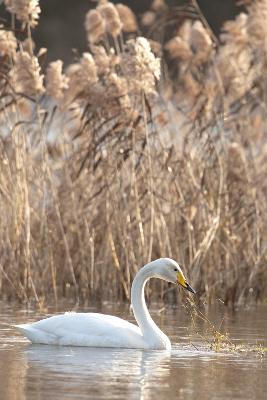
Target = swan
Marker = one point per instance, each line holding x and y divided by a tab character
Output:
100	330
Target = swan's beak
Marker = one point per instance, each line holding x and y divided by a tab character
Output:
188	287
182	281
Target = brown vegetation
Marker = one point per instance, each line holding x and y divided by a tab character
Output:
105	165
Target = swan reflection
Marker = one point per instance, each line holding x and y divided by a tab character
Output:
98	372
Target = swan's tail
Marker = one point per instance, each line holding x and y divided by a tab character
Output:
36	335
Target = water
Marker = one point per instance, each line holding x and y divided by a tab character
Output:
190	371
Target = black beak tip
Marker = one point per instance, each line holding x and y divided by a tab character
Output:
188	287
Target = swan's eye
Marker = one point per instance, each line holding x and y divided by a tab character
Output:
175	269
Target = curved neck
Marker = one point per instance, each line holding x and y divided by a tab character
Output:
142	316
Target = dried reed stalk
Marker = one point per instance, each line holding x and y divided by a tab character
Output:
102	169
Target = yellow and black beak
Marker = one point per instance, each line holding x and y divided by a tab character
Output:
182	281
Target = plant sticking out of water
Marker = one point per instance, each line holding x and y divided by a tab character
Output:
214	337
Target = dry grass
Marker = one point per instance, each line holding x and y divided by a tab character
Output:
105	166
214	337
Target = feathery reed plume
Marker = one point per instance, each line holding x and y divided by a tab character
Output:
178	48
94	26
81	76
199	37
236	31
88	68
8	43
184	30
140	63
256	23
200	42
102	60
117	92
148	18
234	57
26	75
192	43
27	11
158	5
56	81
127	17
111	17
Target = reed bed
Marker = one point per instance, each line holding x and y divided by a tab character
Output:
151	144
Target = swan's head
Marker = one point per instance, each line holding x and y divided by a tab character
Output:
170	271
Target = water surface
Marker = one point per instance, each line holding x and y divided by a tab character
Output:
190	371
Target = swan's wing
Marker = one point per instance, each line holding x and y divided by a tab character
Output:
84	329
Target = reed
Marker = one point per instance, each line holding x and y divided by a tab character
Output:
145	147
215	338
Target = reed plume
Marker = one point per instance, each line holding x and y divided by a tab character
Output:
140	63
56	81
127	17
26	11
111	17
8	43
158	5
179	48
81	76
26	75
94	26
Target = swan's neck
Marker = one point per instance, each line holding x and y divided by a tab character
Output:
148	327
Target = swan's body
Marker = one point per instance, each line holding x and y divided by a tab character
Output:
84	329
99	330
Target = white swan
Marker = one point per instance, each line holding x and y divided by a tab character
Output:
99	330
